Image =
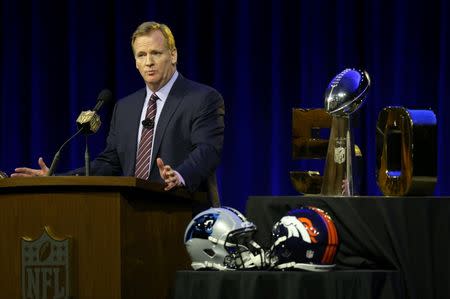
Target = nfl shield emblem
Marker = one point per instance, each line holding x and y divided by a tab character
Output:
309	254
46	267
339	155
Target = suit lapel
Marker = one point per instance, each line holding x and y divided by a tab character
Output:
174	99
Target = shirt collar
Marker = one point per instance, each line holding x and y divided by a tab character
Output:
164	91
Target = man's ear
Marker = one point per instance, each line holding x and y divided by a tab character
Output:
174	56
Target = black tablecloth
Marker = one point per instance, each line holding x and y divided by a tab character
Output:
287	285
406	234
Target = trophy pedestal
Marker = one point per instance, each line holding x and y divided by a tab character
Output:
338	176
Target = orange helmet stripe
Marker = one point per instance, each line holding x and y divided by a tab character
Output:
331	248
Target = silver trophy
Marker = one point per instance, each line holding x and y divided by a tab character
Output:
344	95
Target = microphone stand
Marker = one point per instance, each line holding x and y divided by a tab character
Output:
87	161
55	161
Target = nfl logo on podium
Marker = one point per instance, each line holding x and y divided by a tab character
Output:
46	269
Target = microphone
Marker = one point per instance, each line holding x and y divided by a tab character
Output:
148	123
103	97
89	123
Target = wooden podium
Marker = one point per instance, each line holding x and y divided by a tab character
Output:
126	234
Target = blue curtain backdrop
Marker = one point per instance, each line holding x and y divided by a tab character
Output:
265	57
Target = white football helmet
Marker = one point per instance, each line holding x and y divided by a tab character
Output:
221	239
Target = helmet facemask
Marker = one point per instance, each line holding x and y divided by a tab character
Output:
244	253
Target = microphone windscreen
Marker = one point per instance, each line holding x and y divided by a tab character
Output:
103	97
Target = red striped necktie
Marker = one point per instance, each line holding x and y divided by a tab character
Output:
145	145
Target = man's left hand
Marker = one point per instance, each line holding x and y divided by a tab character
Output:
169	176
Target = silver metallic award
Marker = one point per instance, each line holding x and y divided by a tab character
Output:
344	95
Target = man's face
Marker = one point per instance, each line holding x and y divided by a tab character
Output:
154	60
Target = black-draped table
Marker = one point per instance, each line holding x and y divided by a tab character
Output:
407	234
372	284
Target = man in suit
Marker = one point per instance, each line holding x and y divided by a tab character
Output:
171	131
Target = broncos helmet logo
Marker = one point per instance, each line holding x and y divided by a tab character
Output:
295	228
312	231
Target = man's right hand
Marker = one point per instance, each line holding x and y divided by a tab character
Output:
28	172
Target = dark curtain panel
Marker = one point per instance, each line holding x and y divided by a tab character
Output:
265	57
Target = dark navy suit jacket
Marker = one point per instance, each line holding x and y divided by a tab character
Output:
188	137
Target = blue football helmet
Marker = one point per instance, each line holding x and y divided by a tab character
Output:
221	239
305	239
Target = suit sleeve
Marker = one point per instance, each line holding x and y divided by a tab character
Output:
207	133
